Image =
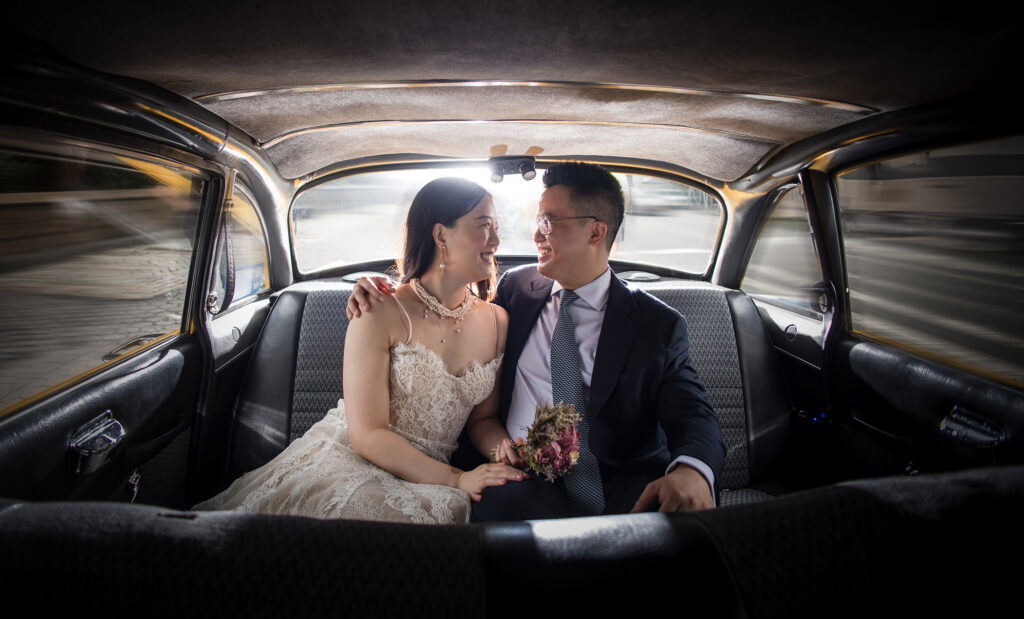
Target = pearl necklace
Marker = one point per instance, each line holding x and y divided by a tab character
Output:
430	302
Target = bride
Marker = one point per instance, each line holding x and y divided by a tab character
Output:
415	374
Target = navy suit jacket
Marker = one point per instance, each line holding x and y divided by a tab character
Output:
647	404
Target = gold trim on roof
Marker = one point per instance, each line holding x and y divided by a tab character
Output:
381	123
795	100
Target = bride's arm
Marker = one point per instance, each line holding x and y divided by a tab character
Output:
488	433
484	426
367	369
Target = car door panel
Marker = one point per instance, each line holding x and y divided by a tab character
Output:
784	278
152	395
110	248
936	417
233	337
924	373
238	303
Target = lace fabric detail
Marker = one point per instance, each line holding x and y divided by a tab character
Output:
430	405
321	476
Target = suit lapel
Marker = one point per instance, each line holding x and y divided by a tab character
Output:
617	332
525	308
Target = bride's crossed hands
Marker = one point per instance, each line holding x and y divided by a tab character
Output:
486	475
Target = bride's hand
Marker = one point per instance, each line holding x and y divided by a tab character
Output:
365	289
486	475
506	454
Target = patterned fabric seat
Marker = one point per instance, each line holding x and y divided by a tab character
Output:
282	400
744	383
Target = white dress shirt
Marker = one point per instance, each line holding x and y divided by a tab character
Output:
533	376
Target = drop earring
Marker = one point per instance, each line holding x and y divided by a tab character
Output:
444	256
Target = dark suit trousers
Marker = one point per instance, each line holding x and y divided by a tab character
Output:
537	499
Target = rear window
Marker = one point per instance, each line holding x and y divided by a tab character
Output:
934	246
360	218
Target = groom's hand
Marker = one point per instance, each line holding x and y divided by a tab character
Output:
367	288
682	490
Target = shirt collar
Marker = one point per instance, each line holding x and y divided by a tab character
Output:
594	294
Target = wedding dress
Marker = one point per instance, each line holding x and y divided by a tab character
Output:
320	475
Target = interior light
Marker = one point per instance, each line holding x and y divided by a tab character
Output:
497	174
512	164
527	170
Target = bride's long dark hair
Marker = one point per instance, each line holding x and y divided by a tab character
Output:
441	201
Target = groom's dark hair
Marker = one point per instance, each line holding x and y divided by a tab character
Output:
594	192
441	201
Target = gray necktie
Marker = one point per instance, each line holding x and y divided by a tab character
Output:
583	482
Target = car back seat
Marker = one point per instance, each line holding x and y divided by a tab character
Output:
731	351
898	546
296	376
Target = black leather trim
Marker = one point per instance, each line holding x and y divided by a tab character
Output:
152	396
166	563
926	545
898	397
606	566
769	412
263	410
920	546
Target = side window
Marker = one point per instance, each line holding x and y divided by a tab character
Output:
934	244
95	251
783	269
247	244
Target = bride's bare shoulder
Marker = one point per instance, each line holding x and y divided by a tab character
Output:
500	321
499	312
386	319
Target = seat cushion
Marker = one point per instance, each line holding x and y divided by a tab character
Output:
740	496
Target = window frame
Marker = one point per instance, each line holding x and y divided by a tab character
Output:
775	199
233	184
41	142
662	172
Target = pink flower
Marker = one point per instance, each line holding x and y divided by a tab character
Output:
551	445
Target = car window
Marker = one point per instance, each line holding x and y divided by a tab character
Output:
95	250
359	218
783	269
248	245
934	244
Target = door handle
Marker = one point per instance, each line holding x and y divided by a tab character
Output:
965	426
95	443
142	340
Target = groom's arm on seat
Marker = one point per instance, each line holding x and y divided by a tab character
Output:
690	424
691	427
368	290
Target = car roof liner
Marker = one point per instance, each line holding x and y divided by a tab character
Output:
712	88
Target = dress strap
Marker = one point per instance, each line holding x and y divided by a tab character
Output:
494	315
409	320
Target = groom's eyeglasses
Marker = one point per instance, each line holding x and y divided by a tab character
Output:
544	223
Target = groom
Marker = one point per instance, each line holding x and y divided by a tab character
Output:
577	334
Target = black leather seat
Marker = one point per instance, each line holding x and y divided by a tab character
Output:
296	376
931	545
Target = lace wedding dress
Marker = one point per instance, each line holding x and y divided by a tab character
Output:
319	475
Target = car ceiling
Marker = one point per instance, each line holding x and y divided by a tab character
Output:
713	88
